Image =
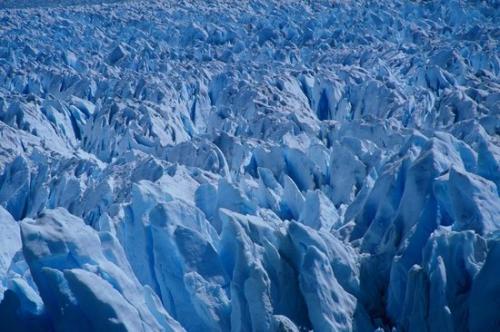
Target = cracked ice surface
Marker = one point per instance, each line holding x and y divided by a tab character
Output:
249	166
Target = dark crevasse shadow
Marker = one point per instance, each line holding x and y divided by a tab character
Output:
14	320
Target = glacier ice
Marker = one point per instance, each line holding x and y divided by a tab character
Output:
249	166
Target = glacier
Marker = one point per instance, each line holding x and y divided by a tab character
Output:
249	165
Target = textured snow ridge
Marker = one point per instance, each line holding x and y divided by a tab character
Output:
250	166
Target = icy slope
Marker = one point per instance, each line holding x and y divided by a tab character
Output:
250	166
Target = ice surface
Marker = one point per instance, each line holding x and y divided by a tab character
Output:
249	166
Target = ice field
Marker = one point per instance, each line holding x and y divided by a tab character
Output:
249	165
